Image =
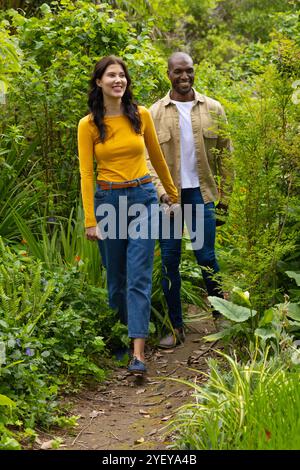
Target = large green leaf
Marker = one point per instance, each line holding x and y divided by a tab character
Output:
226	333
294	275
267	317
265	333
294	311
5	401
217	336
233	312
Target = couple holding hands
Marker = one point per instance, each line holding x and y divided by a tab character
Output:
173	154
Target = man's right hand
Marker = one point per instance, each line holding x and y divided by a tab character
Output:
92	234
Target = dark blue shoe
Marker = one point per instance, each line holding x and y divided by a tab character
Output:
137	367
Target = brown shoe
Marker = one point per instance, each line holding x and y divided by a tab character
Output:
172	339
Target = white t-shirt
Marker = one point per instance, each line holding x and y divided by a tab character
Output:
188	163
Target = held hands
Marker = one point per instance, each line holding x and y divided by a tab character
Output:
93	233
168	207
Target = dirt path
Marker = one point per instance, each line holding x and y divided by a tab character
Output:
131	413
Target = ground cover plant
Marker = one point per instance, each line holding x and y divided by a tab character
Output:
253	405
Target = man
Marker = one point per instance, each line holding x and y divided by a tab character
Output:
189	129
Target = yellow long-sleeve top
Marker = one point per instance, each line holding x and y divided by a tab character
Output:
121	157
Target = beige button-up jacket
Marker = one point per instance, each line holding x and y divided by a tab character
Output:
213	147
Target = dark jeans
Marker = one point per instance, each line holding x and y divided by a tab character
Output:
171	254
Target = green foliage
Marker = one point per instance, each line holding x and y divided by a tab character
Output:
233	312
52	330
260	228
59	49
276	326
254	19
62	242
10	56
19	184
250	406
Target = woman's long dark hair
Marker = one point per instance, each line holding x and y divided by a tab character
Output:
96	102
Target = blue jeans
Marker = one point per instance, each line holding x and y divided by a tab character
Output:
128	259
171	254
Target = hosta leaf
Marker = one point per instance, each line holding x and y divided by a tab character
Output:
233	312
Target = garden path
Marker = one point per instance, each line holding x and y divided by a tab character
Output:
128	413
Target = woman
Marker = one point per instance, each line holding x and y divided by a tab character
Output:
116	132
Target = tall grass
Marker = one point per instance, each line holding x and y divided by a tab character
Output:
63	242
253	406
19	178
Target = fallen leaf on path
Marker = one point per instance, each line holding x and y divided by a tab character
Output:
96	413
141	390
154	431
158	354
169	351
143	412
166	418
47	445
169	405
139	441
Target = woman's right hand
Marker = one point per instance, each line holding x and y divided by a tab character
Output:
92	234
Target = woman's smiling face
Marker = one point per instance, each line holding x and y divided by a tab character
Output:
113	82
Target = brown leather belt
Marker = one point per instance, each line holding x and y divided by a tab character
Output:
131	184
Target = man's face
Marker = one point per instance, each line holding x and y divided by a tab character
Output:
181	74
